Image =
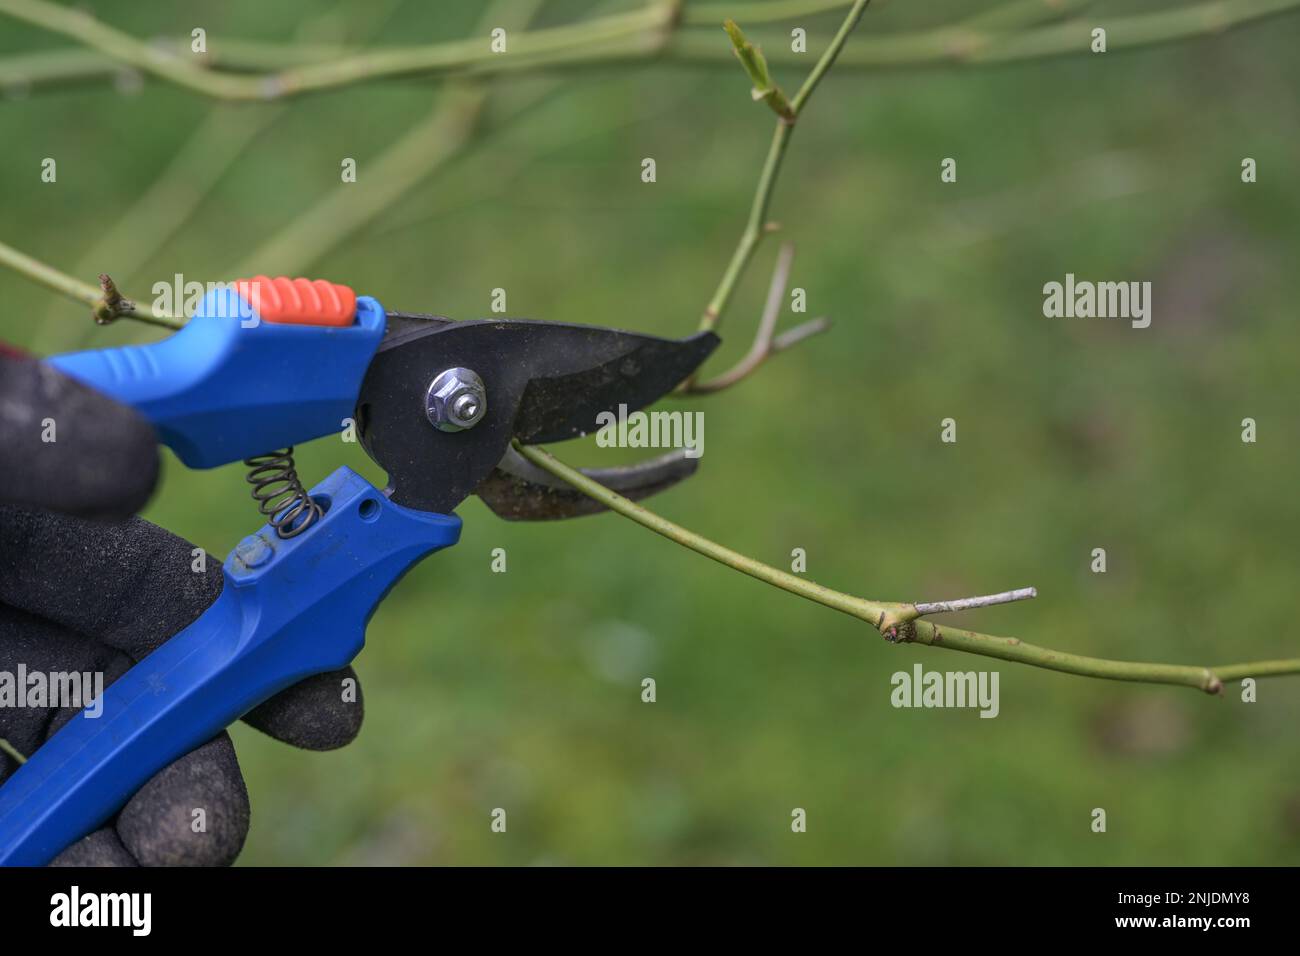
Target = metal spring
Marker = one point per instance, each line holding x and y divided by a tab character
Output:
279	494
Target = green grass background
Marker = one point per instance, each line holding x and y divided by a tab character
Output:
522	690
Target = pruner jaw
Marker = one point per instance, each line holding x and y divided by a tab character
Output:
541	382
518	490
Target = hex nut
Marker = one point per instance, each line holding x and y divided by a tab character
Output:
456	400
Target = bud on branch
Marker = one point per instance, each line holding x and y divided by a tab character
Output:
755	64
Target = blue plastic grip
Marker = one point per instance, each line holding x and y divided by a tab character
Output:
288	609
229	385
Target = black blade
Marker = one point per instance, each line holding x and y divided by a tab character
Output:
400	323
628	369
545	382
518	490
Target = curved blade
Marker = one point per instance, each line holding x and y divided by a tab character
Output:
518	490
545	382
624	369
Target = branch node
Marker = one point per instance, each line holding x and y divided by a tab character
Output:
112	305
903	632
766	342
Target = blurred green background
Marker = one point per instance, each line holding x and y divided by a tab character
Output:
522	690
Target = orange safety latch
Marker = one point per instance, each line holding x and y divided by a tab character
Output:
299	301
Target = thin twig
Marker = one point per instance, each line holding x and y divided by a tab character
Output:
766	342
898	622
755	226
753	231
827	59
805	330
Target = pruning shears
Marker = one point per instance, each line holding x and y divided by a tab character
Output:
267	364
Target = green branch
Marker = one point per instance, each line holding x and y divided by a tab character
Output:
756	226
105	302
901	623
874	613
828	58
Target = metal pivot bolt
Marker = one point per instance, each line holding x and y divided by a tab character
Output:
456	400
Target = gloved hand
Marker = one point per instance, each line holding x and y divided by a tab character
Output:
86	587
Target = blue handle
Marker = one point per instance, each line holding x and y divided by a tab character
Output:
228	385
289	609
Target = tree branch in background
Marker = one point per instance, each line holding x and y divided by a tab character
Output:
221	137
962	45
539	46
427	147
654	32
150	223
769	11
1023	13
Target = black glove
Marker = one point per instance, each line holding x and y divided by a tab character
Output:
95	590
